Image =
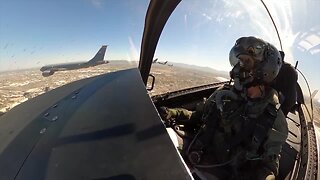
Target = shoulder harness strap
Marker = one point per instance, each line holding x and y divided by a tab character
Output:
263	125
257	128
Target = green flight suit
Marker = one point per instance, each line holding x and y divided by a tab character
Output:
224	125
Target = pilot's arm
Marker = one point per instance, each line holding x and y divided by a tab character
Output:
276	138
184	116
180	115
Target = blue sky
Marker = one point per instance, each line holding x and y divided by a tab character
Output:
58	31
38	32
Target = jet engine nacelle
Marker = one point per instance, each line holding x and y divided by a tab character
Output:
47	73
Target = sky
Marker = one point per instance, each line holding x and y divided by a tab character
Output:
34	33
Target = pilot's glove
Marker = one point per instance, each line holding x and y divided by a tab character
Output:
174	114
164	113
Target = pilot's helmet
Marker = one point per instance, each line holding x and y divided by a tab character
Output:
254	62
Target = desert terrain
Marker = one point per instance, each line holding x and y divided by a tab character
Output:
19	86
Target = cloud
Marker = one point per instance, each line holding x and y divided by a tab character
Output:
96	3
260	21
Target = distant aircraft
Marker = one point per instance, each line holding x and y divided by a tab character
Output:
49	70
155	60
163	63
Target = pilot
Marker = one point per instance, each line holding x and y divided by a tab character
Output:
239	128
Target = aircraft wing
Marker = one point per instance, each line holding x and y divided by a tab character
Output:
104	127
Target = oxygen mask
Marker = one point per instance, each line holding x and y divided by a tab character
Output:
254	62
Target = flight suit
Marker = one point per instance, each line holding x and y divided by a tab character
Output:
224	117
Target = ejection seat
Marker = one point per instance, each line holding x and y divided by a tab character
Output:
287	86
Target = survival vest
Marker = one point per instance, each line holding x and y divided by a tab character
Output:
234	123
